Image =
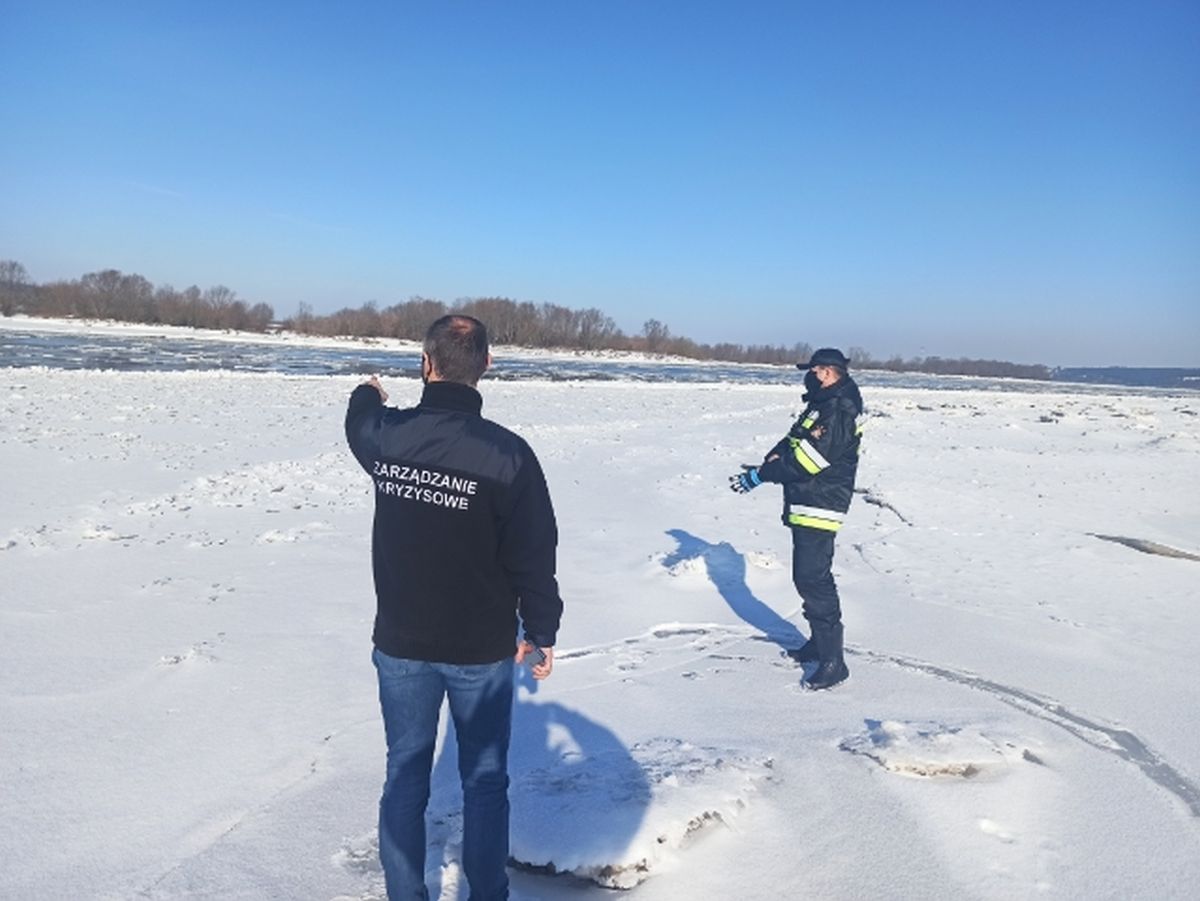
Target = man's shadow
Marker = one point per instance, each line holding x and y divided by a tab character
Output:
727	570
577	795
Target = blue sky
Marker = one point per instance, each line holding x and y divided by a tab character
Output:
1007	179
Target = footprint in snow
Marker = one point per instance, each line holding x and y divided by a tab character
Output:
201	650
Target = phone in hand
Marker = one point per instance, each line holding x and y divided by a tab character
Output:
534	656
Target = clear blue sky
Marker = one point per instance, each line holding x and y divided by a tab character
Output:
1008	179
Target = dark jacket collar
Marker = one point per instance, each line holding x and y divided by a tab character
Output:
452	396
844	387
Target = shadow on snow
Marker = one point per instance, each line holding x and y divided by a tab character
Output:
727	571
578	797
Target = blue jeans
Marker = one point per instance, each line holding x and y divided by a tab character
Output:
410	694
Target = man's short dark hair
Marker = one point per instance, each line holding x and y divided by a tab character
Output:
457	347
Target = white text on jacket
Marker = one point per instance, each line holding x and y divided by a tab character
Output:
427	486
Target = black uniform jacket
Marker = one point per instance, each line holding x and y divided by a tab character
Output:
464	532
817	461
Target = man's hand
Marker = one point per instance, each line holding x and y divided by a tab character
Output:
373	381
746	480
541	669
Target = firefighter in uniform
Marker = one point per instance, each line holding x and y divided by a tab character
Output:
816	463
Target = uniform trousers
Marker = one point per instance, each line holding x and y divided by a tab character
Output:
812	574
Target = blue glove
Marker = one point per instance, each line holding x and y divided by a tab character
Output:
744	481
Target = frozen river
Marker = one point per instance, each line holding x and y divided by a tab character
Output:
199	352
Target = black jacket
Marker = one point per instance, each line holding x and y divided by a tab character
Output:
464	532
817	461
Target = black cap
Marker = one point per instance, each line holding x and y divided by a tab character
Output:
826	356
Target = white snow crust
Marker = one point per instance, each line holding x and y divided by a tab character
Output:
188	709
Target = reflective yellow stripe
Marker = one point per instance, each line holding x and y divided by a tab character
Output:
814	517
808	456
818	512
808	423
813	522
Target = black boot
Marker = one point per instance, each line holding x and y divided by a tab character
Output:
806	653
833	669
828	674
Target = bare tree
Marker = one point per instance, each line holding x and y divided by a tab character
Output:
595	329
99	293
303	320
260	317
192	300
411	319
656	334
218	302
559	326
14	287
860	356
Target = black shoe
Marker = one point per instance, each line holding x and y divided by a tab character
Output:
806	653
828	675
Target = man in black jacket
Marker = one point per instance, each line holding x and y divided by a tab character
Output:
816	462
464	539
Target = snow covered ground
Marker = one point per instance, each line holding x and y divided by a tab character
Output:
187	705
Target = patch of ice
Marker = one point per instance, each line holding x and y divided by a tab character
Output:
931	750
108	533
763	560
292	535
615	817
688	568
994	829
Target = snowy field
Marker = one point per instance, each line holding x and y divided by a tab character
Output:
187	704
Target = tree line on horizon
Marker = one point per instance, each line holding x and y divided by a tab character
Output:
111	294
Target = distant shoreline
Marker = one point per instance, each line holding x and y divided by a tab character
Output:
281	337
1170	378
